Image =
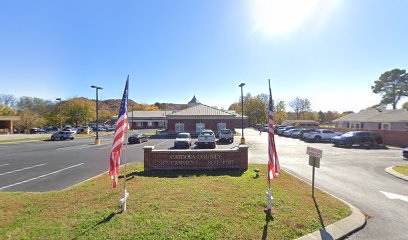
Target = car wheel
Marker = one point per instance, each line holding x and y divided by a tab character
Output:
72	138
52	138
317	139
62	138
348	144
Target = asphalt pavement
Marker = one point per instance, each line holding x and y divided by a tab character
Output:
54	165
356	175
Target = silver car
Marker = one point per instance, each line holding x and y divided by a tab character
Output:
62	135
183	140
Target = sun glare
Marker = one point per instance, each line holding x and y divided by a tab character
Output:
280	17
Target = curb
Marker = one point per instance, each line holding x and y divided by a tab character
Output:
394	173
341	229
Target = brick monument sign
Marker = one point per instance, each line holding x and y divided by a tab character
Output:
205	159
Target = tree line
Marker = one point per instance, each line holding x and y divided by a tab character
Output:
256	109
37	112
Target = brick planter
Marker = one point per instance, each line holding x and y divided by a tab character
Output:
206	159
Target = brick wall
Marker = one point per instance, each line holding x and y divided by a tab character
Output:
196	159
190	124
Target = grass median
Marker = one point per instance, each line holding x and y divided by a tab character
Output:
402	169
176	205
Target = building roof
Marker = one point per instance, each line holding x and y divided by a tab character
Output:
8	118
201	110
148	114
193	101
374	115
300	121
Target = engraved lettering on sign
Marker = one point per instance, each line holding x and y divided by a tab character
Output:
221	163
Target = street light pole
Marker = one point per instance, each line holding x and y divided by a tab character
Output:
242	113
60	115
97	140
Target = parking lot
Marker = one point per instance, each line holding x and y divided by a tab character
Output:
355	174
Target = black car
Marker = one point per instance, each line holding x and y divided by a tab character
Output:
405	152
137	138
357	137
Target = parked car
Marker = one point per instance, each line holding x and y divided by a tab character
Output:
183	140
320	135
137	138
36	130
302	133
206	139
226	135
288	133
282	129
357	137
405	152
296	133
62	135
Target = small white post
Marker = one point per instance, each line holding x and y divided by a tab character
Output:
122	201
270	198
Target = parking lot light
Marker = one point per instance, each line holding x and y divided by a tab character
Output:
60	115
97	140
242	113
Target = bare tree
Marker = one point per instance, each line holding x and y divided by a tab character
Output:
297	106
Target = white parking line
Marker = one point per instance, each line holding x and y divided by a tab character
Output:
4	164
79	147
31	179
21	169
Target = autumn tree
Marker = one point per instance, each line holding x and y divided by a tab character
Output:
78	111
392	85
280	112
7	105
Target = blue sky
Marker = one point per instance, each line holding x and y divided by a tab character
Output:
329	51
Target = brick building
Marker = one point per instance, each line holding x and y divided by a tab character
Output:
199	116
6	124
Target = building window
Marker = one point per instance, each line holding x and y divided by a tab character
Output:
200	127
179	127
351	125
221	126
385	126
357	126
149	123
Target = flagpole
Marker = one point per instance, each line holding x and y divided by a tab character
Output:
269	192
125	193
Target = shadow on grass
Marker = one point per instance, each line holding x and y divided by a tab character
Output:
323	233
184	173
103	221
268	218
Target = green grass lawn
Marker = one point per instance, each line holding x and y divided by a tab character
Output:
222	205
22	140
402	169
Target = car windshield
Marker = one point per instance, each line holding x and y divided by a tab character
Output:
182	135
207	133
225	131
348	134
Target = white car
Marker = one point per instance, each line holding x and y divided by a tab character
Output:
183	140
320	135
206	139
226	135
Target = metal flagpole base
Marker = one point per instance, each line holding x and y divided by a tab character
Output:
271	200
122	201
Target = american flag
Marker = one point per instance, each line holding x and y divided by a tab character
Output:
273	163
121	128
